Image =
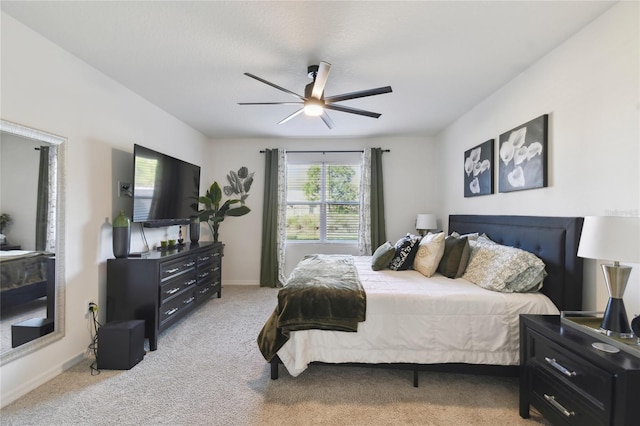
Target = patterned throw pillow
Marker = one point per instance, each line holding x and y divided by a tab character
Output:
455	258
406	249
430	251
505	269
382	256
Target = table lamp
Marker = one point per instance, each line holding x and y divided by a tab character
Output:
613	238
425	222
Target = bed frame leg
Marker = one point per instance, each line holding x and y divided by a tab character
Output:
415	377
274	367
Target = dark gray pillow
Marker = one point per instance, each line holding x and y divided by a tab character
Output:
382	256
406	249
455	258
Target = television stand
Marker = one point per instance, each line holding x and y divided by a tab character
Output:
162	287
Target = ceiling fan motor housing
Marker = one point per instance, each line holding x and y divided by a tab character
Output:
312	71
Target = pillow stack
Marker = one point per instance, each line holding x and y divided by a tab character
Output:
505	269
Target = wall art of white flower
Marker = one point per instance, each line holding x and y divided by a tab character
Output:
478	173
523	156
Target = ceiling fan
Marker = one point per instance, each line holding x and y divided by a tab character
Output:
314	103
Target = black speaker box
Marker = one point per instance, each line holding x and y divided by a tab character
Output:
120	345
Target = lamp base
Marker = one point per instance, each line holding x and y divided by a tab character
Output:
615	322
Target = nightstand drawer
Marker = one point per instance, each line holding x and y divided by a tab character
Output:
595	383
558	404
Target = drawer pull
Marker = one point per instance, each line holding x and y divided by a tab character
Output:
171	312
189	300
188	283
173	290
216	269
552	400
171	271
216	254
203	275
189	265
559	367
204	258
205	290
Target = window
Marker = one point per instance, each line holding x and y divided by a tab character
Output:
323	196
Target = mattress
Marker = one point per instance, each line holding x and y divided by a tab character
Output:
414	319
19	268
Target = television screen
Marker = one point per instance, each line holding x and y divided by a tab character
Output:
165	189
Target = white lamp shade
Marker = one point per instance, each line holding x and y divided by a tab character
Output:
426	221
613	238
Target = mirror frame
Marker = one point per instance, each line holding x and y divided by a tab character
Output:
58	330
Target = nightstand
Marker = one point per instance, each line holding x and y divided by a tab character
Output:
572	383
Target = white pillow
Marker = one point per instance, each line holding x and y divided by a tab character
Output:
430	251
505	269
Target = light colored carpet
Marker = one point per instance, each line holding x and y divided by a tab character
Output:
208	371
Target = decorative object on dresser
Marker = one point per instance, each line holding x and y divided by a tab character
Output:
163	286
214	213
523	156
571	382
121	235
425	222
478	170
194	229
613	238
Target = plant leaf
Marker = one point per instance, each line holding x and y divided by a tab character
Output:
243	172
238	211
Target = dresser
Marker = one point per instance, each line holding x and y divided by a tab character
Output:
164	286
572	383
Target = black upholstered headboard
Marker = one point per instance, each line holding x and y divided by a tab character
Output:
553	239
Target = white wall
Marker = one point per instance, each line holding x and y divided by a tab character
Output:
590	88
19	165
410	185
46	88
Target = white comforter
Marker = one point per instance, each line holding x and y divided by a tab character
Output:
414	319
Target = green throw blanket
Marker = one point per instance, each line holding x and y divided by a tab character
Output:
323	292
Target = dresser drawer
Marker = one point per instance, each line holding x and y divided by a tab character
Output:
591	381
173	287
177	306
209	273
174	268
205	291
560	405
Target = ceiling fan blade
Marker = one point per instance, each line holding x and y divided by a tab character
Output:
269	103
360	94
327	120
284	120
352	110
273	85
321	80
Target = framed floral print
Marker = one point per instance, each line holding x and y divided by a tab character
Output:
523	156
478	170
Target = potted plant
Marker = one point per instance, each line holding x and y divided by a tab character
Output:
214	212
5	221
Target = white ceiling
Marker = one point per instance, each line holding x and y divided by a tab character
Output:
440	57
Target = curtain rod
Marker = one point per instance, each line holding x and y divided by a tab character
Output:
330	151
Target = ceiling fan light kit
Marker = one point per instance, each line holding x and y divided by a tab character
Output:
313	103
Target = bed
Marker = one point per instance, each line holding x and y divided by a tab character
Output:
26	276
424	323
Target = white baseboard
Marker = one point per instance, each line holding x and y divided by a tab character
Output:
41	379
240	282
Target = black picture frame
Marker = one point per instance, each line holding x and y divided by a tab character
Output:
478	170
522	156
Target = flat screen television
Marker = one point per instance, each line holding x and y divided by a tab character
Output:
165	189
